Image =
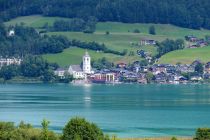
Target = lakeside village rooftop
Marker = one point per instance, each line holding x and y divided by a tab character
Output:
161	73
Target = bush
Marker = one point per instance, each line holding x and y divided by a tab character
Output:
80	129
107	32
202	134
136	31
173	138
23	132
152	30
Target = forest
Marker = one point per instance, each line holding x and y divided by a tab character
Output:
184	13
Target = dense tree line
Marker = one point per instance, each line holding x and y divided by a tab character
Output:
169	45
96	47
75	24
185	13
75	129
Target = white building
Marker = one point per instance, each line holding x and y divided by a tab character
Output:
79	72
11	33
60	72
87	63
76	71
9	61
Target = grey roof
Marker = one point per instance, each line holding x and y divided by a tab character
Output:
76	68
60	69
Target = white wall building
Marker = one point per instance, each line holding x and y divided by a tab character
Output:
87	63
11	33
80	72
76	71
9	61
60	72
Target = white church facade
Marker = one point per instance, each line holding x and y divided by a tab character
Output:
81	72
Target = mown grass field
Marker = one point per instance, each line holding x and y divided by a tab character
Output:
120	38
187	56
74	56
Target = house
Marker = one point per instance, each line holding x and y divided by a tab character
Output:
128	76
103	77
207	67
9	61
11	32
193	46
156	69
145	42
207	75
171	69
76	71
196	78
161	78
60	72
195	63
142	79
191	38
201	43
121	65
185	68
183	80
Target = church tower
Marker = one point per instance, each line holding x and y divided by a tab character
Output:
86	63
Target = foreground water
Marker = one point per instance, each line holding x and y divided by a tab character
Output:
125	110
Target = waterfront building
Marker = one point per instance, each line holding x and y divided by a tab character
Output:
81	72
60	72
9	61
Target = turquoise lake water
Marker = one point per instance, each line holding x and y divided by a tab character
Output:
127	110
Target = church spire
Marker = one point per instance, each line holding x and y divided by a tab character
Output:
86	53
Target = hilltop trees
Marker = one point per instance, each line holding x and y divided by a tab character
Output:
185	13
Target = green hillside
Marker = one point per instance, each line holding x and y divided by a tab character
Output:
74	56
186	56
121	36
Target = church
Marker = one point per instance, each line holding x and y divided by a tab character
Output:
81	72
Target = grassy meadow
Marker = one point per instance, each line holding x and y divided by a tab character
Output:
74	56
121	36
187	56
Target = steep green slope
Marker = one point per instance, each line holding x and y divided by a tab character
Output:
186	56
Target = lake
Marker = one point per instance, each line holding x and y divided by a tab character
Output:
127	110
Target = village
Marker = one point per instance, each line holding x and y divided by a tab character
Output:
123	73
196	72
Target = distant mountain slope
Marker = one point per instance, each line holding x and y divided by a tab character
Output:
120	37
184	13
